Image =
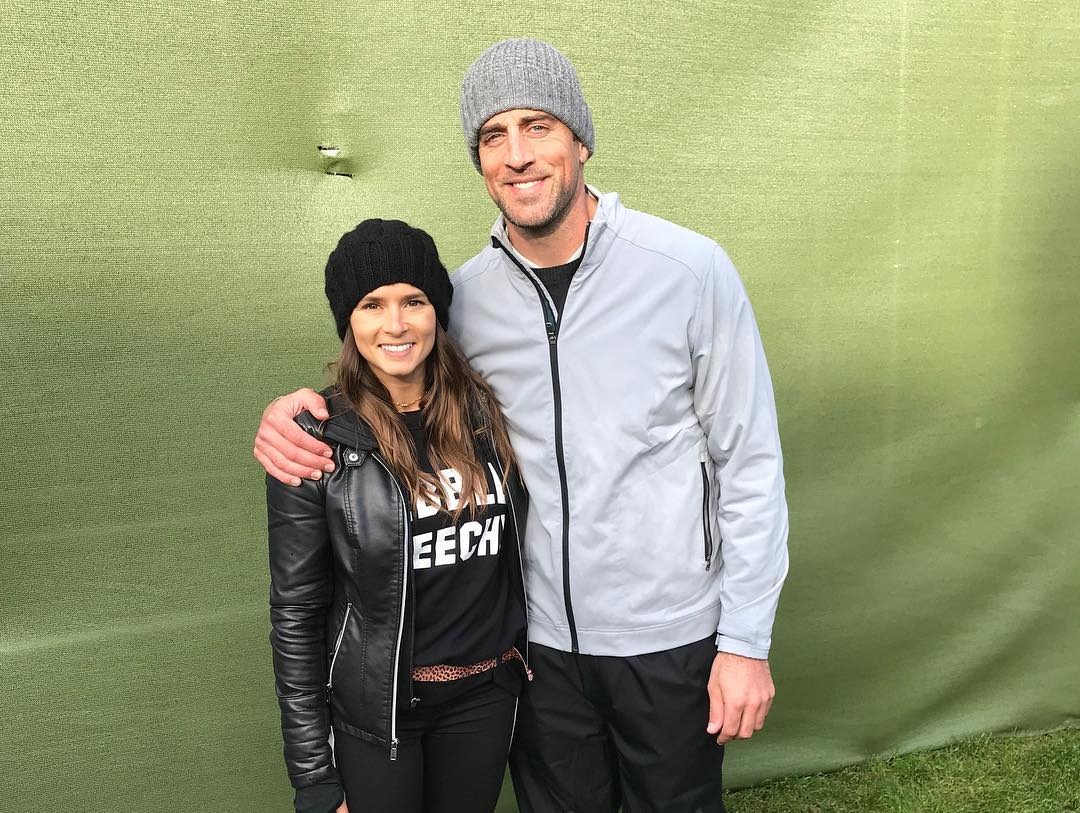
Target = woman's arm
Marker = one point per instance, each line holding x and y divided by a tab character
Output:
301	590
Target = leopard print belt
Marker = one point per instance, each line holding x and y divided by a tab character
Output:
442	672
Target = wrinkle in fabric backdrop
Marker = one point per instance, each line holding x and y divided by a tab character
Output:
897	183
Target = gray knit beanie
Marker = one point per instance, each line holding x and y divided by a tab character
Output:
522	73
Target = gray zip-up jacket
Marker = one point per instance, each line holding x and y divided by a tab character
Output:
644	422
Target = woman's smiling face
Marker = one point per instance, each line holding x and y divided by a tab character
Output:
394	330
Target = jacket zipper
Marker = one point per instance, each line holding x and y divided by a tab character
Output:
706	525
553	355
337	646
401	611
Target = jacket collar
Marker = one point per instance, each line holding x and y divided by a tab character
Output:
602	231
346	427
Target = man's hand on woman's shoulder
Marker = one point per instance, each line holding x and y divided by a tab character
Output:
285	450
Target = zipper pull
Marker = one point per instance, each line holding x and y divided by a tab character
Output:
393	749
708	562
549	318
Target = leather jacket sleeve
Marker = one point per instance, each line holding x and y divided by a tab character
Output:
301	589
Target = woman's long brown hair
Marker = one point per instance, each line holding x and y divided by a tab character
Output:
459	410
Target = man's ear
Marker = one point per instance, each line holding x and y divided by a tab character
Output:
583	152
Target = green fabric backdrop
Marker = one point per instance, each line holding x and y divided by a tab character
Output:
897	182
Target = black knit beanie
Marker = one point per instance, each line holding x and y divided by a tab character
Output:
384	252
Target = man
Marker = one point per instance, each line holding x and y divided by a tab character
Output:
629	366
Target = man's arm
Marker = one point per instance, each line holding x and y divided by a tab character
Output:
286	451
733	398
741	692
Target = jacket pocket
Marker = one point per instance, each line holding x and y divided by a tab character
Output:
337	646
706	520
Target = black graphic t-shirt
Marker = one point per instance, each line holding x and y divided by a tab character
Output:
465	611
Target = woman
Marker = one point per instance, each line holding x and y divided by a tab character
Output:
397	601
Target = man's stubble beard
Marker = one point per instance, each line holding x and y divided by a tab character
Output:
553	219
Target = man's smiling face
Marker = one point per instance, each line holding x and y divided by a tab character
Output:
533	166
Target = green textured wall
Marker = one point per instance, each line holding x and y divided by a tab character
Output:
899	184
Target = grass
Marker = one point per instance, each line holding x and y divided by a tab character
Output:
1019	774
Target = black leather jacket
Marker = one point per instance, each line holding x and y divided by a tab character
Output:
340	597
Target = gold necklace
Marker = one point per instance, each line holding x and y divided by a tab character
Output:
408	404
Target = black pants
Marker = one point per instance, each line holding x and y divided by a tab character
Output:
451	755
595	732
